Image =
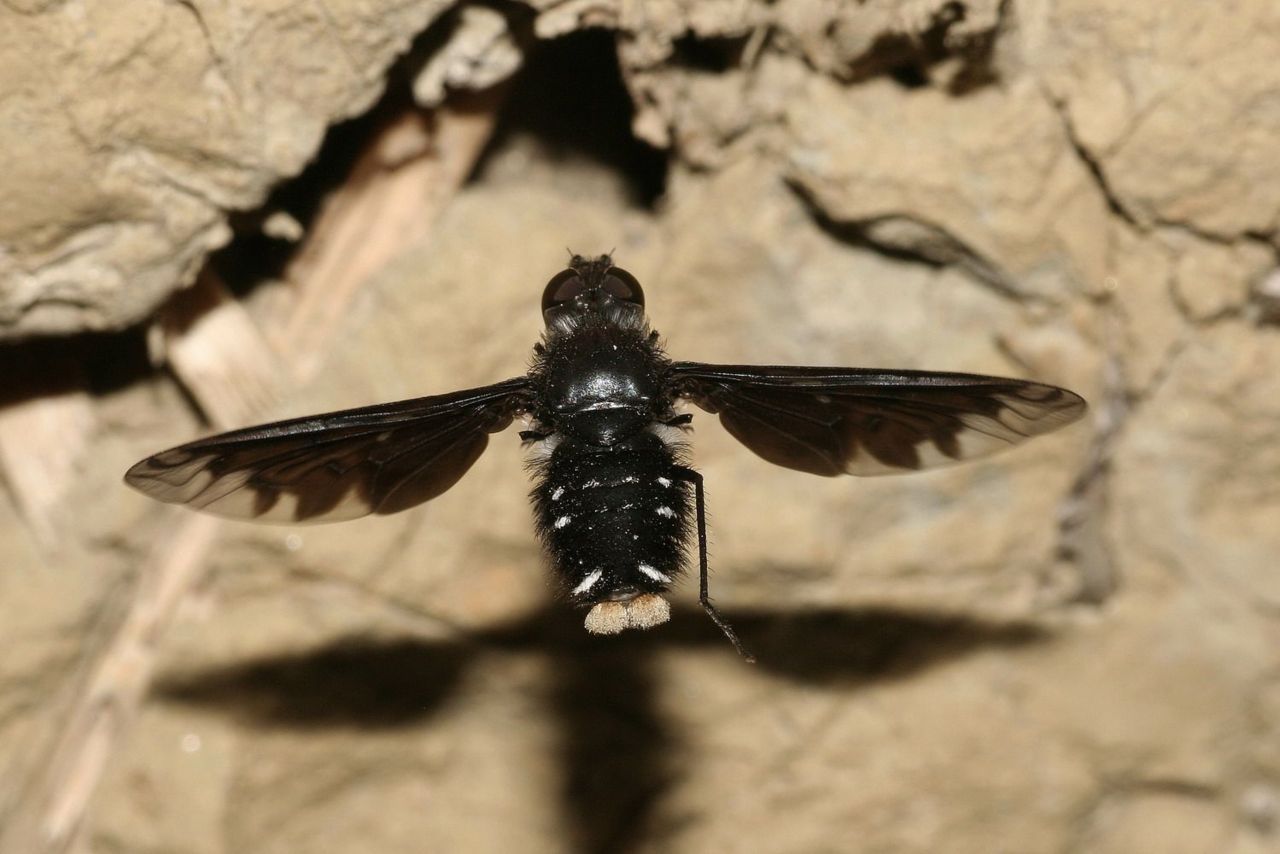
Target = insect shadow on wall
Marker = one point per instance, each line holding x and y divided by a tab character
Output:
615	503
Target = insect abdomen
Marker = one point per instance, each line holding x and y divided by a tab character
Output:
614	520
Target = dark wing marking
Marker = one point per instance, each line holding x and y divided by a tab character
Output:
342	465
863	421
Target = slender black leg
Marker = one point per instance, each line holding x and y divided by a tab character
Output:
704	597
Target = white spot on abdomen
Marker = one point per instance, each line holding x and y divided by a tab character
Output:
562	521
555	496
662	481
656	575
587	583
666	512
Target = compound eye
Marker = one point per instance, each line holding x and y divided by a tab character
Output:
563	287
621	285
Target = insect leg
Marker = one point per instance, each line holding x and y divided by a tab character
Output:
704	597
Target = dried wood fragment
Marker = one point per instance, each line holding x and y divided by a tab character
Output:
398	188
110	698
42	439
218	352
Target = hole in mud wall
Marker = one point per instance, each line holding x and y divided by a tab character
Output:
571	98
712	54
909	75
569	95
257	254
934	57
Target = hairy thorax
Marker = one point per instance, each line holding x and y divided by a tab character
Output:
616	395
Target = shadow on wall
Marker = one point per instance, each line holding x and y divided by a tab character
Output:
618	755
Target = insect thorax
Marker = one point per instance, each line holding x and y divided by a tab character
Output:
599	381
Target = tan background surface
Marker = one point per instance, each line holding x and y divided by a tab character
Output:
1074	647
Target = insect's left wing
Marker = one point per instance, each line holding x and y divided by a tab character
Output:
864	421
342	465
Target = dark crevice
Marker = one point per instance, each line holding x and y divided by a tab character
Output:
854	234
906	237
254	257
1094	167
712	54
909	75
978	50
912	60
979	70
906	60
570	97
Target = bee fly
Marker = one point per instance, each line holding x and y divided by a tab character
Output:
616	504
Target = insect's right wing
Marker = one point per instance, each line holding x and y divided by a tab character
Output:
863	421
341	465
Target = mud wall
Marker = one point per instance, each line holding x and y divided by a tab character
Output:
218	213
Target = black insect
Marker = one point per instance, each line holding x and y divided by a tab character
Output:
616	503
